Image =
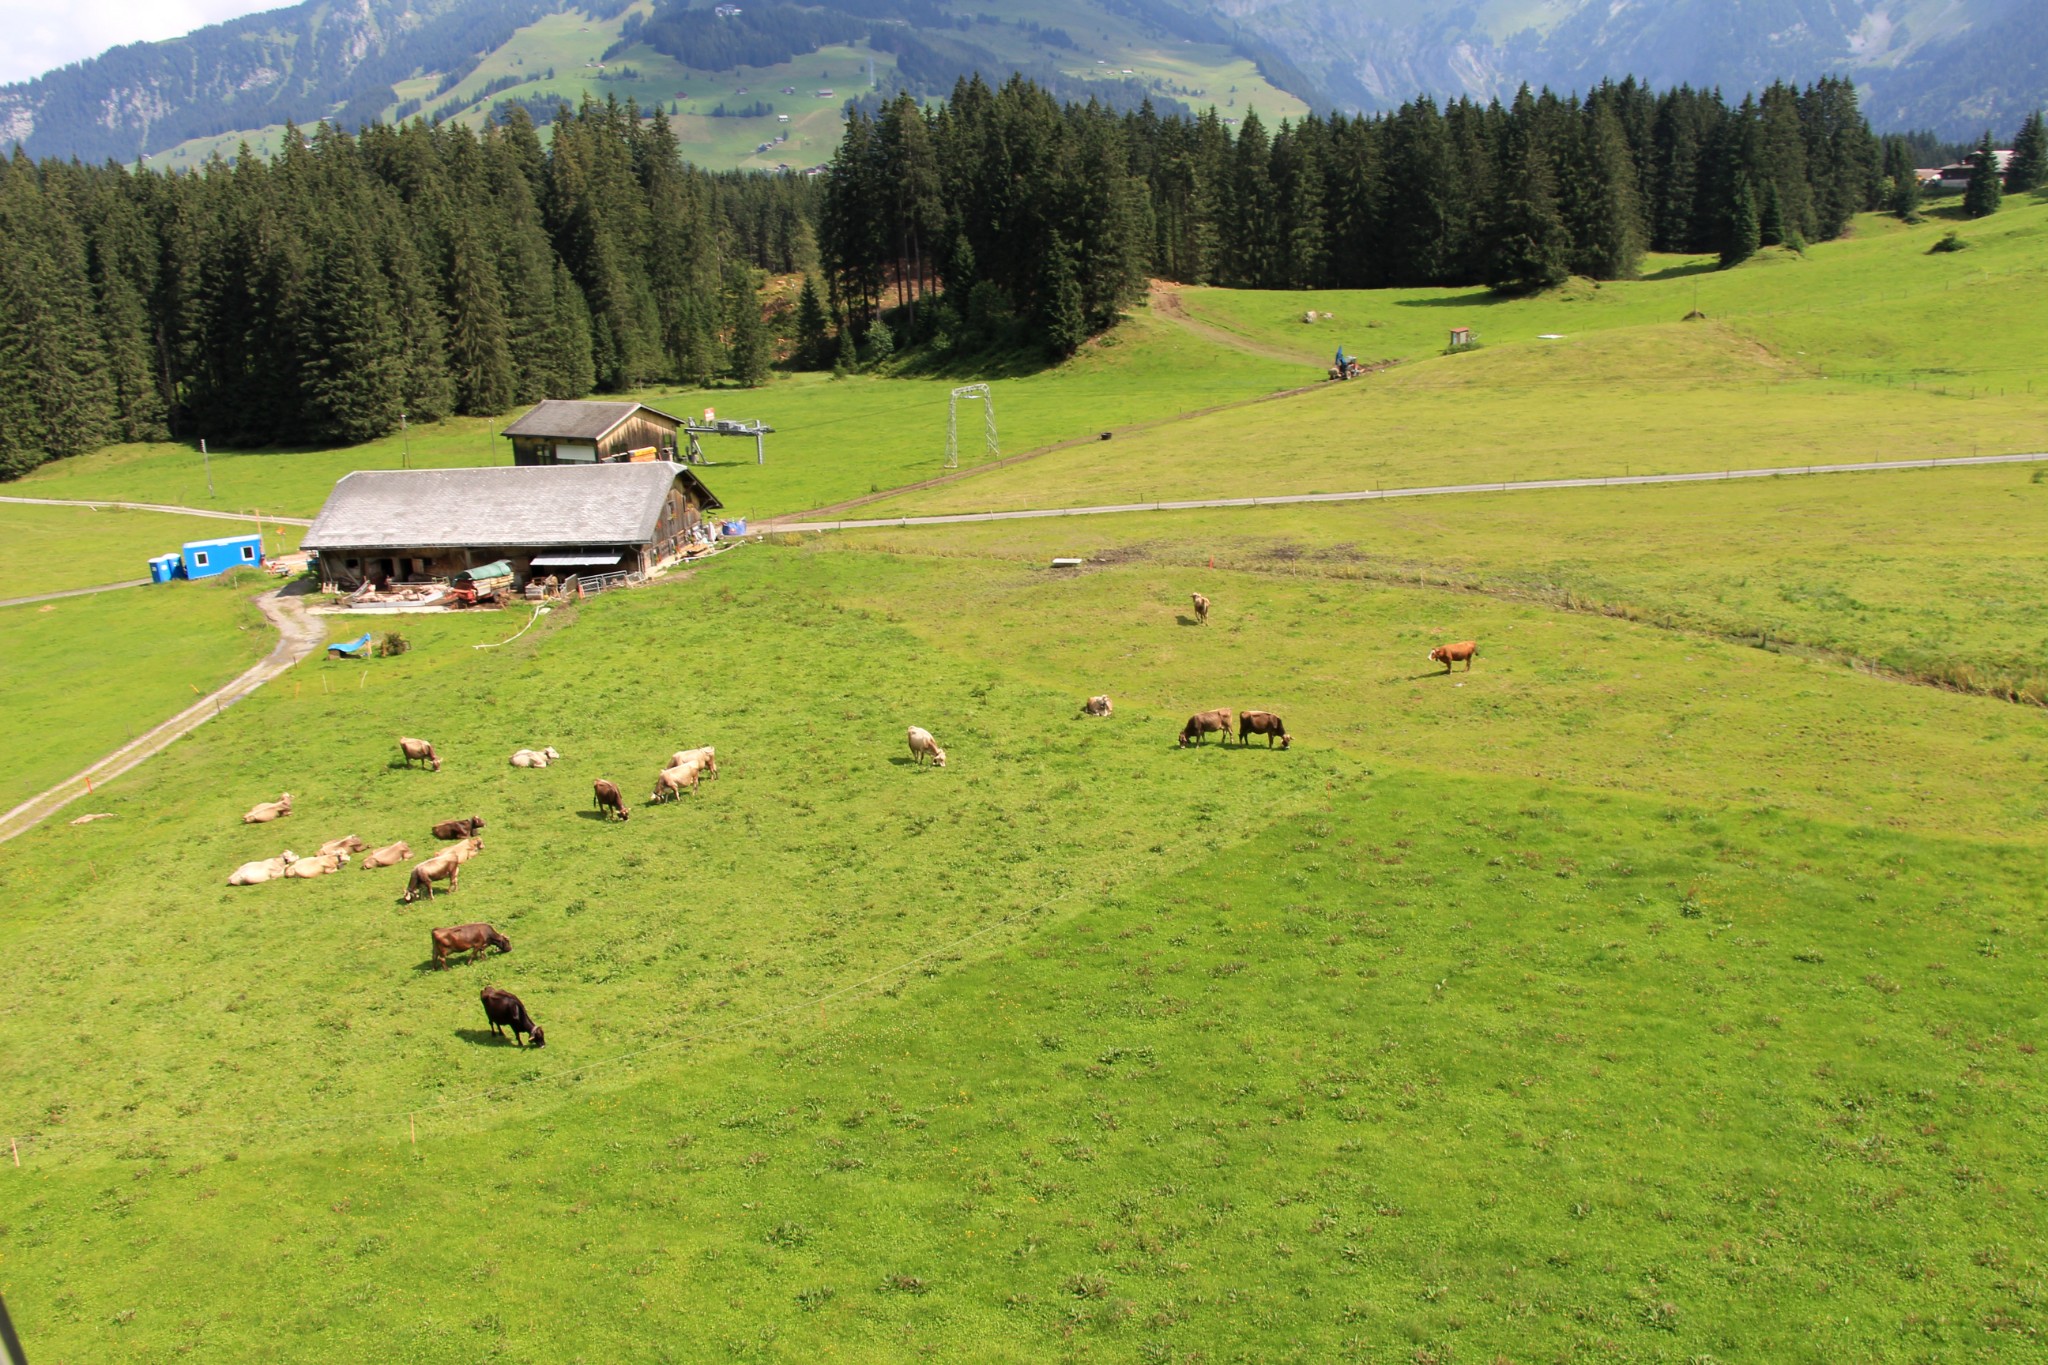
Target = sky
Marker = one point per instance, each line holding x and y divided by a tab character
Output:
45	34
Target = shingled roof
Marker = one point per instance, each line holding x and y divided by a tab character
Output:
564	419
518	505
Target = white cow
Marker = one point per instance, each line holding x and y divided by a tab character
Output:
923	746
535	758
263	870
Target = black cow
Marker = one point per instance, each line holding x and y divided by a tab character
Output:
504	1010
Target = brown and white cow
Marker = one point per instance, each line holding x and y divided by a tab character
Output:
265	811
1205	723
445	866
1462	652
1096	706
467	938
1265	723
419	751
607	797
388	856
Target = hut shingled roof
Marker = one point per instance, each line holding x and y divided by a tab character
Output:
530	506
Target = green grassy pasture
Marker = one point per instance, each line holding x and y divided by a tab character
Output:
834	439
84	675
1675	398
1922	572
1633	995
53	549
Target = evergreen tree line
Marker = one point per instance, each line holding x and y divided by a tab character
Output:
314	297
1014	206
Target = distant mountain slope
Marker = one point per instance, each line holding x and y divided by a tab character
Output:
1953	65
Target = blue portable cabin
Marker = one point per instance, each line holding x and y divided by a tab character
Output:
206	558
163	568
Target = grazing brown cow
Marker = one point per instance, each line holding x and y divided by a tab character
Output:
1201	610
459	829
1205	723
1096	706
923	746
504	1009
467	938
388	856
421	751
264	812
445	866
347	843
607	798
1265	723
1462	652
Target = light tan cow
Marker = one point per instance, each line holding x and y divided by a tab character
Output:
670	782
1201	609
263	870
1097	706
388	856
708	756
445	866
264	812
318	865
419	751
535	758
923	746
347	843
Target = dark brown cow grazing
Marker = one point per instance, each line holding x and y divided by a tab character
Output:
1205	723
459	829
421	751
467	938
1462	652
1265	723
504	1010
1201	609
607	798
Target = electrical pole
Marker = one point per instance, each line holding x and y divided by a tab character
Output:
208	459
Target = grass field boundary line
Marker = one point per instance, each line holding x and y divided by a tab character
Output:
73	592
97	503
500	1089
297	638
1434	491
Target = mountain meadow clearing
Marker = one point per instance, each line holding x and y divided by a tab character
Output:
1667	987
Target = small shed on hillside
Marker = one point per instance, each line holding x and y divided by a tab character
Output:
1461	337
429	525
208	558
565	431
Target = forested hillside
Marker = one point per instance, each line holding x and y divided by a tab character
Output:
1018	209
410	270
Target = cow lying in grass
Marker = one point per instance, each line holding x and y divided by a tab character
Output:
265	811
1205	723
467	938
347	843
459	829
535	758
1265	723
388	856
445	866
319	865
263	870
505	1009
923	746
419	751
1096	706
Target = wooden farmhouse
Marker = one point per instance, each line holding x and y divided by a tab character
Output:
386	526
562	431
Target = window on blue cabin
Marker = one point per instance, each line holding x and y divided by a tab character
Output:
248	552
199	558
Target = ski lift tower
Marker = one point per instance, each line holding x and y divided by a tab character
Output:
714	425
988	416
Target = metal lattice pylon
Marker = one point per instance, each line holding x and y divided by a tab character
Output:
988	414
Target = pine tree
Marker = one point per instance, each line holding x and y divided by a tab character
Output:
572	367
1526	233
479	355
750	351
1986	190
1744	233
2029	169
1066	320
812	336
1608	233
350	346
1902	179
